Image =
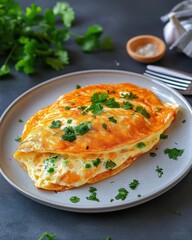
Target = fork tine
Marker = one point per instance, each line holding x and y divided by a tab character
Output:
168	82
177	79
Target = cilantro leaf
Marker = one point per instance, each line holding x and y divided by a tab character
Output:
127	105
122	195
107	44
47	236
4	69
55	124
174	153
83	128
110	165
133	185
112	119
74	199
143	111
66	12
69	134
159	171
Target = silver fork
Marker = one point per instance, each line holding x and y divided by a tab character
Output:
180	81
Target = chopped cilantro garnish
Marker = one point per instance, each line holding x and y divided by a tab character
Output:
74	199
111	103
122	194
112	119
129	96
110	165
139	195
20	120
18	139
48	236
141	145
152	154
72	103
107	238
163	136
78	86
173	153
82	108
50	170
83	128
104	125
102	99
133	185
92	189
96	162
67	108
159	171
56	124
69	121
93	196
143	111
87	165
69	134
96	108
127	105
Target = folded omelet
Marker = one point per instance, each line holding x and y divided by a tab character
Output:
91	133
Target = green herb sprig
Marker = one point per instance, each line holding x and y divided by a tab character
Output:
31	38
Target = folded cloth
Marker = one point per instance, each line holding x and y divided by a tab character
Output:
181	10
184	44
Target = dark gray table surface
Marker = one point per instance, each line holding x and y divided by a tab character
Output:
23	219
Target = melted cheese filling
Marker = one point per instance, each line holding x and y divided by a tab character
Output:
70	170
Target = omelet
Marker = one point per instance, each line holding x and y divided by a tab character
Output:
91	133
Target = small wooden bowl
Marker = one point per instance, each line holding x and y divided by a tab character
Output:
141	41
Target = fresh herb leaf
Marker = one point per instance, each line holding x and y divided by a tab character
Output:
107	44
69	121
133	185
66	12
111	103
67	108
163	136
4	70
69	134
141	145
47	236
78	86
96	108
112	119
74	199
18	139
56	124
104	126
96	162
159	171
93	196
143	111
129	96
87	165
50	170
110	165
83	128
174	153
31	38
122	195
127	105
152	154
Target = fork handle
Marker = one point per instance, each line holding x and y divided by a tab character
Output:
170	72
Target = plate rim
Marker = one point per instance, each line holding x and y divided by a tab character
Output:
91	209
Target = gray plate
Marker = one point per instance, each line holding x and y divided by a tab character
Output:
144	169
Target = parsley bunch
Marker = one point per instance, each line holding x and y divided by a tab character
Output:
32	37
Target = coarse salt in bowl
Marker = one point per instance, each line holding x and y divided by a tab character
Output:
146	48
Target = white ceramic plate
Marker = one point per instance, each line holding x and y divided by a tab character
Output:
144	169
